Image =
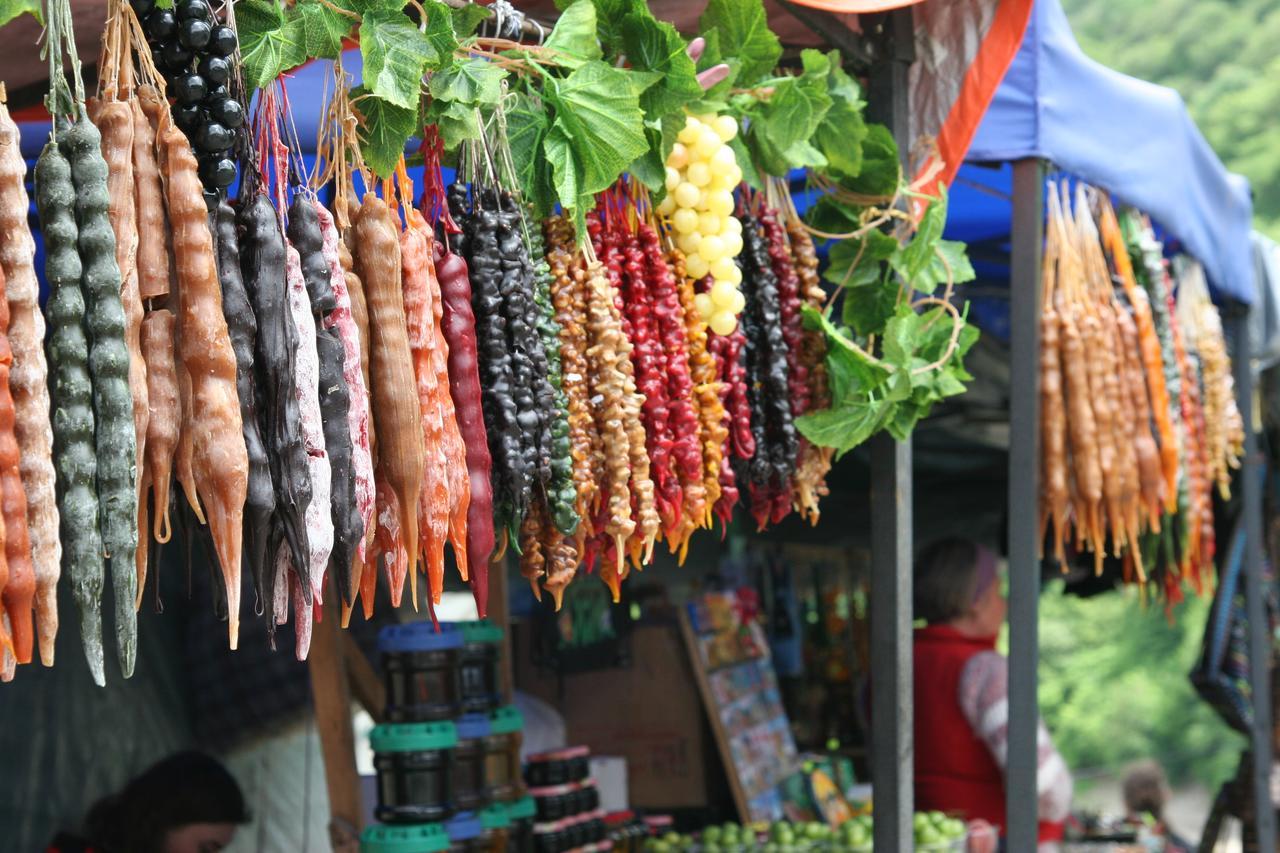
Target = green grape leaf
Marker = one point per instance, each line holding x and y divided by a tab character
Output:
598	122
840	135
270	42
323	29
750	174
364	7
467	18
457	122
10	9
879	170
845	427
574	37
900	336
526	129
744	34
780	127
473	81
865	255
851	370
610	15
440	34
948	255
395	53
655	46
565	177
867	309
915	257
650	168
384	129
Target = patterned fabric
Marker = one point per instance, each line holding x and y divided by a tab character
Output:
984	700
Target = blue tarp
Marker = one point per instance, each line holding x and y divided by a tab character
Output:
1129	137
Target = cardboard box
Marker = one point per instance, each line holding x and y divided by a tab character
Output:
649	713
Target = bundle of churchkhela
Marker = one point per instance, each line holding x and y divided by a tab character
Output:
1139	418
336	377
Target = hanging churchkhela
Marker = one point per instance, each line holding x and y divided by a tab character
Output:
587	341
1129	377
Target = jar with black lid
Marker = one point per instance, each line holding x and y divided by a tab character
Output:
413	763
502	754
420	669
550	839
423	838
469	788
478	665
555	803
559	767
521	813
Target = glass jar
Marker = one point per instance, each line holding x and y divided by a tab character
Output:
478	666
420	669
469	789
502	755
521	813
559	767
413	762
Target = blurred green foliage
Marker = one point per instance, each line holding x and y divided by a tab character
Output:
1114	687
1221	56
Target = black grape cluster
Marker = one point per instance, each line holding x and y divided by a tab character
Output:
195	53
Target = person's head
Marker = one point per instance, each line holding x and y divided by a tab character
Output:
1145	789
957	583
186	803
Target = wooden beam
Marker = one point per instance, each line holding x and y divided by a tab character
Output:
363	680
332	699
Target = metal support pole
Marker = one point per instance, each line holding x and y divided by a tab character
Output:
892	720
1024	497
892	757
1255	592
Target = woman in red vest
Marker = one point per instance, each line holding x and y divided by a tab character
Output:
962	695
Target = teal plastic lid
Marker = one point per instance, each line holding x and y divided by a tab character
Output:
482	631
495	817
423	838
413	737
522	809
506	720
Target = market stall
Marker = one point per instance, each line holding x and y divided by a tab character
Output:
619	303
1058	111
189	50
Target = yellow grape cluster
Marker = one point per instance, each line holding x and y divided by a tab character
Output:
701	174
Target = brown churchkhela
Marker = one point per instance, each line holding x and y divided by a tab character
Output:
20	590
162	426
392	390
219	462
155	253
28	383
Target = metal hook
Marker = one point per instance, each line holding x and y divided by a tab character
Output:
542	33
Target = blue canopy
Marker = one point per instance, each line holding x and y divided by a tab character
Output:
1129	137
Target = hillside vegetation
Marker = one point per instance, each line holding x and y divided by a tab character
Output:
1221	56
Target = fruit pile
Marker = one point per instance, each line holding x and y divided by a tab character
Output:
933	831
195	51
701	175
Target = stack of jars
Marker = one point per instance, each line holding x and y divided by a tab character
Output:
448	759
569	817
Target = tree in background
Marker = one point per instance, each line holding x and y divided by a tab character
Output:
1114	687
1220	55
